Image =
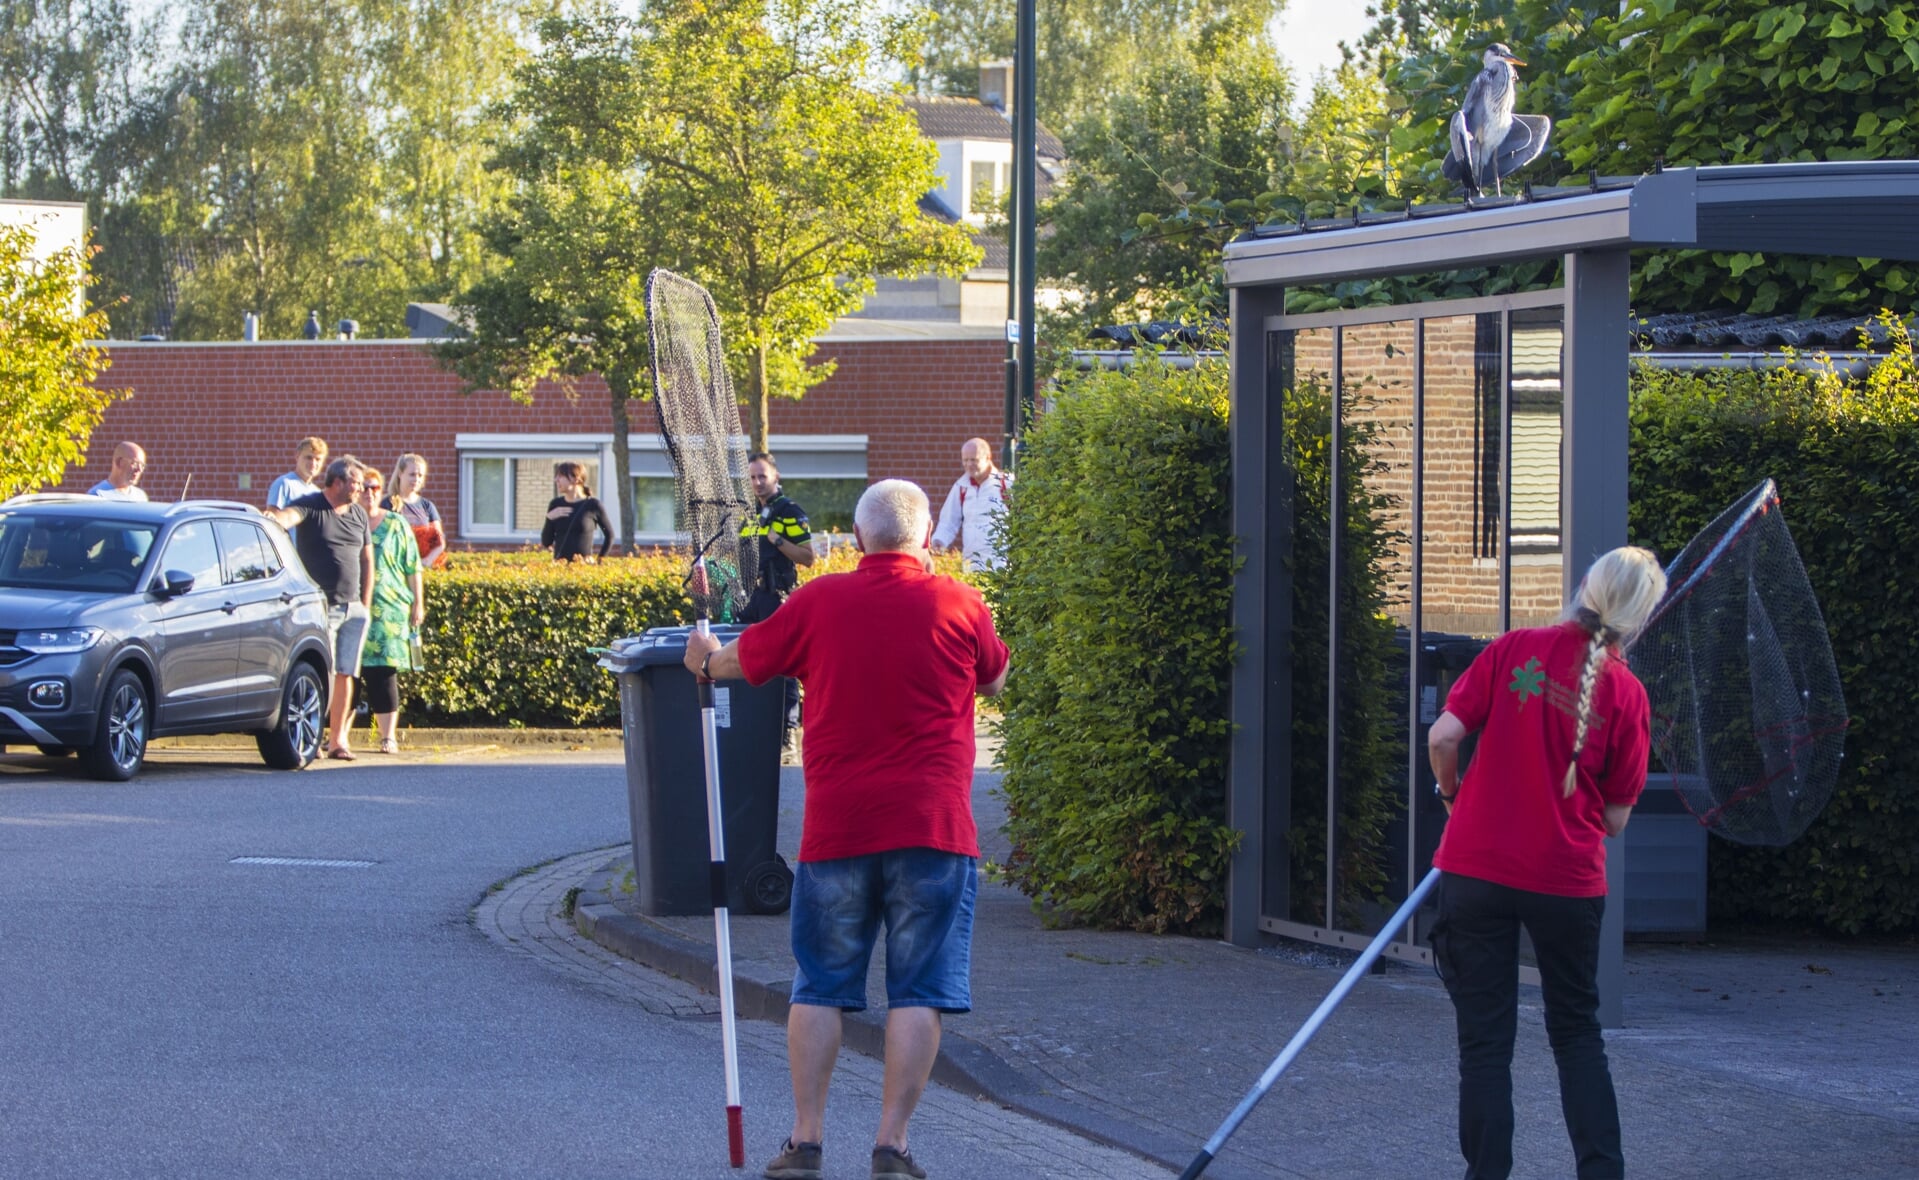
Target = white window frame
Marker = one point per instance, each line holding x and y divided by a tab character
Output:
647	450
520	447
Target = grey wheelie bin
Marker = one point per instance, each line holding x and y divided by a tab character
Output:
666	779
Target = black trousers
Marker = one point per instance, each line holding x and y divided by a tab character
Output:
1476	948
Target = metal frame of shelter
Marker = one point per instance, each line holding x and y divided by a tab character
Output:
1862	209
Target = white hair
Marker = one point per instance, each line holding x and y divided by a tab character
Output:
1614	601
892	515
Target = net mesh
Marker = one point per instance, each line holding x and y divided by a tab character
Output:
1748	718
700	424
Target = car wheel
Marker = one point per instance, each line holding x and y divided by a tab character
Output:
56	751
295	741
120	736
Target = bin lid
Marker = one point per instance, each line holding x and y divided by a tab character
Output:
659	647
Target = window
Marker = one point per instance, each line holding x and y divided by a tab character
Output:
507	480
61	553
190	550
986	185
656	505
1536	400
250	557
504	497
486	493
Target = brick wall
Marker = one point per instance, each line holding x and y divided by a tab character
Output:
1460	587
224	411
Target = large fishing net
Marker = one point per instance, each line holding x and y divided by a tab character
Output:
1748	719
700	423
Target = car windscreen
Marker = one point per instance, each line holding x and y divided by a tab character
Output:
49	552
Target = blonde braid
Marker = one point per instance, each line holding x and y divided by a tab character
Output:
1588	680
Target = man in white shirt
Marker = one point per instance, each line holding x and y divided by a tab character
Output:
123	481
307	463
973	508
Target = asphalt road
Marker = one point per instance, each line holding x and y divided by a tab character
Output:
168	1010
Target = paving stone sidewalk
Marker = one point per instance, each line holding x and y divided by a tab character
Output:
1782	1059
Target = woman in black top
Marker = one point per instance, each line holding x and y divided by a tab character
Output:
571	515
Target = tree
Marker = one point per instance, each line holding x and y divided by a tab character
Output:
289	156
65	80
578	234
1207	124
49	402
1085	47
787	172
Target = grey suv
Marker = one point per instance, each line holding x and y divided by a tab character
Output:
121	622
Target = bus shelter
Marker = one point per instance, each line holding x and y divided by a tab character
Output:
1489	435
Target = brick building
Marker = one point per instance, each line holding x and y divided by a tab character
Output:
901	401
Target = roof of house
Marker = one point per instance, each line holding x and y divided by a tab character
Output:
942	117
992	243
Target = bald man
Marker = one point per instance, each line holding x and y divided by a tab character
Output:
973	508
123	481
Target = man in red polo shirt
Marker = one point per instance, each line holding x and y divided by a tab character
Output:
891	656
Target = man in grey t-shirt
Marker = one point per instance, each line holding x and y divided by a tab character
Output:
335	540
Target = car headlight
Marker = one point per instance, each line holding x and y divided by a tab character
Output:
62	641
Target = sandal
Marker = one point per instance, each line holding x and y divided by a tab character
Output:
389	745
342	753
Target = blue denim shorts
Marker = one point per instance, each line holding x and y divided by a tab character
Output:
924	897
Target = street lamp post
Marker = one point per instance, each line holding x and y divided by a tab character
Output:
1022	330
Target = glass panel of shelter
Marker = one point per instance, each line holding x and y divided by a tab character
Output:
1450	473
1370	753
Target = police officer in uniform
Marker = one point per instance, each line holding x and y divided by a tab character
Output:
786	543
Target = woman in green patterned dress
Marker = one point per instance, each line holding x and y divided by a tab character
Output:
399	606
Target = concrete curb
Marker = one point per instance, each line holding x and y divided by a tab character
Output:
422	739
963	1064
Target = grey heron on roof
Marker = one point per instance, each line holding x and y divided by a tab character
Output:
1489	142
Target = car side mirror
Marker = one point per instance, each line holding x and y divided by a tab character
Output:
174	583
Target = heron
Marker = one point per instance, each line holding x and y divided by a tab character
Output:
1489	142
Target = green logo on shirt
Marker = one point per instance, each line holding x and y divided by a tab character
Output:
1528	681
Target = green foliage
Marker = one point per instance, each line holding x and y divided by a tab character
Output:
280	158
1115	609
506	636
747	143
507	633
1088	48
787	172
49	402
1196	128
1845	455
1732	83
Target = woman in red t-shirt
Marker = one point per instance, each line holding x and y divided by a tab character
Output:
1563	734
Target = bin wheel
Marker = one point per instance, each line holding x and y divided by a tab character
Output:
769	887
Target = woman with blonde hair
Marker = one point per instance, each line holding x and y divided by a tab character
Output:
429	535
1564	731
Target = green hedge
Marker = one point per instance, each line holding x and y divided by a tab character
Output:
508	636
1116	604
1846	459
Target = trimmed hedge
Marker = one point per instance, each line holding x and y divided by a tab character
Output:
1116	603
508	635
1846	458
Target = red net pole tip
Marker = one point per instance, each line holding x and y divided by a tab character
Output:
735	1137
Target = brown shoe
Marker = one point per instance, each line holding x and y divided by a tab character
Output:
891	1163
796	1161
